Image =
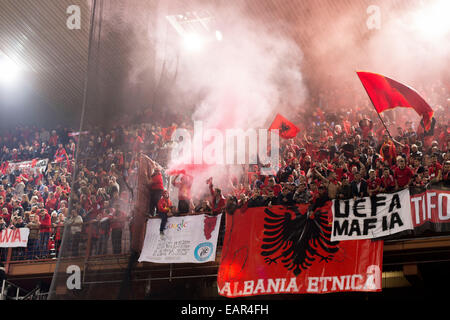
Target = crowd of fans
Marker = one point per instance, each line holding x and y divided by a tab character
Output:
341	153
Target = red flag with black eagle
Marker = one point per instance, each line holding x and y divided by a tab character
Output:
386	93
286	129
288	250
167	132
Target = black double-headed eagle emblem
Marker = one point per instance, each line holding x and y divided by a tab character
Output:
298	241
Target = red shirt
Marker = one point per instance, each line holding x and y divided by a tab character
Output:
164	205
58	230
53	141
339	173
403	176
157	182
276	188
9	207
46	222
373	183
387	182
6	217
406	150
137	144
60	154
118	220
434	169
50	204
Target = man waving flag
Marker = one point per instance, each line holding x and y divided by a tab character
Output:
286	129
386	94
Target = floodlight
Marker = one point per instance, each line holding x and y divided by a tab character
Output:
9	71
193	42
431	20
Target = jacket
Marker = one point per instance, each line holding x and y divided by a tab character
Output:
34	230
362	191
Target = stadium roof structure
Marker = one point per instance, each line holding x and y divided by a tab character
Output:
34	35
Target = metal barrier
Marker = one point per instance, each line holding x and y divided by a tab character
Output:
94	240
10	291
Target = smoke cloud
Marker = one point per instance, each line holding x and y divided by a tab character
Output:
411	45
275	59
240	82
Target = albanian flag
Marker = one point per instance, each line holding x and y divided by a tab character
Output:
167	132
388	94
286	129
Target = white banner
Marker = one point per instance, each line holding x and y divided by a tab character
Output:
39	165
371	217
12	238
187	239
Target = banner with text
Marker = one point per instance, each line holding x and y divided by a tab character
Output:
186	239
430	210
371	217
281	250
34	166
12	238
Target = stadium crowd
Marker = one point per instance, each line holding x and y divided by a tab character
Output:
340	153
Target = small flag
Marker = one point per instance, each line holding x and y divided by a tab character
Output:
286	129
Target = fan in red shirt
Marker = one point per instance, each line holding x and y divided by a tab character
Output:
61	154
306	162
402	174
387	181
435	167
366	126
164	208
292	147
290	158
51	203
138	142
5	215
9	206
387	150
373	183
45	230
272	187
218	200
156	188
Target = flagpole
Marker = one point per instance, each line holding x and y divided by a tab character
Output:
383	122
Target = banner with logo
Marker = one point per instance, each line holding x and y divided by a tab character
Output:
281	250
430	210
187	239
371	217
12	238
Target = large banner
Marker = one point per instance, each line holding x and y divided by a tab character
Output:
12	238
35	166
430	210
281	250
371	217
187	239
